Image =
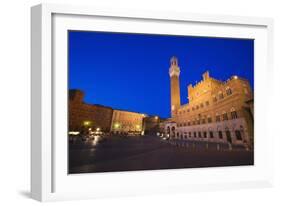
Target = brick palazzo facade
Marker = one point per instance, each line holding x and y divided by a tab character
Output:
217	111
83	116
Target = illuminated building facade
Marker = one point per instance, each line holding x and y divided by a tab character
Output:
125	122
217	111
84	116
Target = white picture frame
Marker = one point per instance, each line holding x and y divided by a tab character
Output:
48	178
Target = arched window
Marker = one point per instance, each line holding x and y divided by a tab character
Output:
224	116
199	134
168	130
219	132
228	91
205	134
211	134
233	113
238	135
194	134
203	120
220	135
228	135
209	119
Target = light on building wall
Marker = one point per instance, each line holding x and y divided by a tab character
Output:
156	117
137	126
98	129
86	123
116	125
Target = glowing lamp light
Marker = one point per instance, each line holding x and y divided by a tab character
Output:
73	132
86	123
116	125
98	129
235	77
156	117
137	126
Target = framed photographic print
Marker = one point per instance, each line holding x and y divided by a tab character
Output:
134	102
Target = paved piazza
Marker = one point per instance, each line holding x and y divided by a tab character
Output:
118	153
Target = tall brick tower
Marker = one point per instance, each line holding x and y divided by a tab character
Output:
174	73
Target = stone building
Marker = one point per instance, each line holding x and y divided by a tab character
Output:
83	116
151	124
217	111
125	122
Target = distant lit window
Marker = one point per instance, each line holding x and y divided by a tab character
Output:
198	121
188	123
209	119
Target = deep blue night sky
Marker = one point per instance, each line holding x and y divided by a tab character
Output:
130	71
